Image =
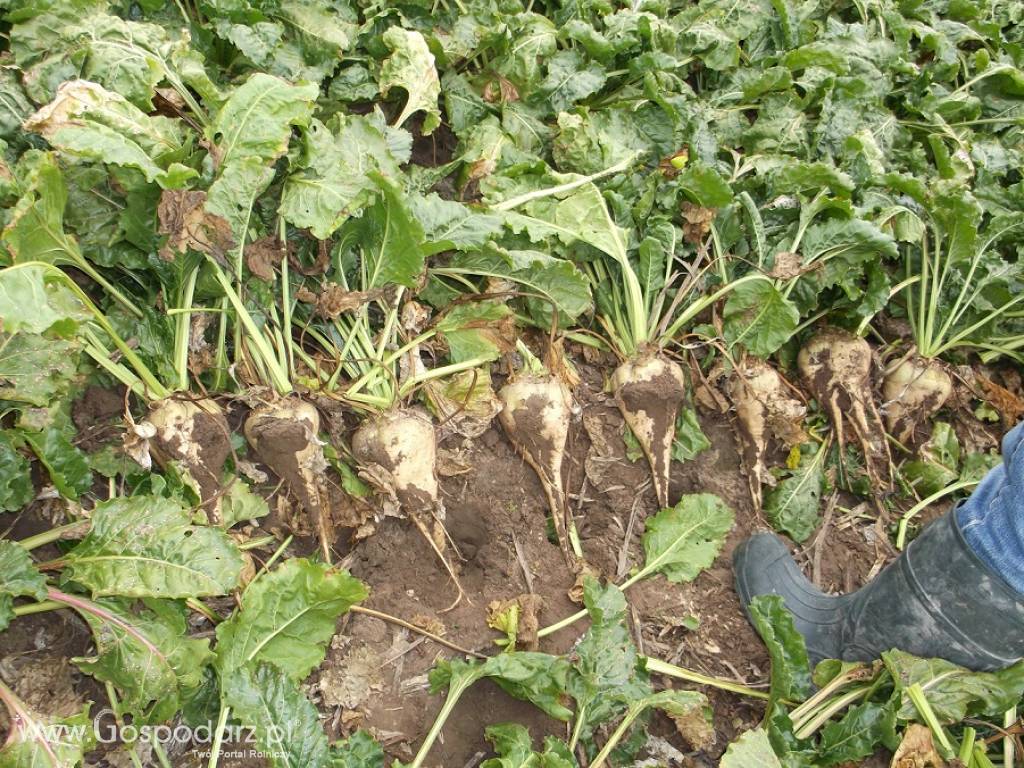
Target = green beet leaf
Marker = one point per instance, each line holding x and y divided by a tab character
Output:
473	330
514	748
952	691
760	317
705	186
287	617
357	751
36	369
64	462
257	119
858	734
239	503
570	79
751	750
937	464
284	723
538	678
251	130
87	121
411	67
78	39
683	540
15	473
388	237
146	654
547	283
792	506
36	740
146	546
18	578
329	182
791	673
452	226
608	676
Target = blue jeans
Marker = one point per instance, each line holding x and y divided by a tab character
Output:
992	519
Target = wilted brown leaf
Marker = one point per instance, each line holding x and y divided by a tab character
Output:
1010	407
787	266
501	90
261	256
526	609
696	222
695	729
184	219
415	316
334	299
917	750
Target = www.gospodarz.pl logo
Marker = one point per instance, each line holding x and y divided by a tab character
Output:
238	740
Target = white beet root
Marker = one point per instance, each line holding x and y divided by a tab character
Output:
836	365
765	408
649	390
535	415
284	436
195	434
914	389
402	442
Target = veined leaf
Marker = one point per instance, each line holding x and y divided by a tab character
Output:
793	505
145	546
607	676
549	283
475	330
35	227
452	226
411	67
62	41
236	190
35	369
40	741
791	673
251	131
858	733
389	239
146	655
86	120
357	751
331	180
287	618
514	748
683	540
285	723
570	79
751	750
705	185
257	118
758	316
18	578
15	474
535	677
689	441
65	463
953	691
240	503
14	104
938	462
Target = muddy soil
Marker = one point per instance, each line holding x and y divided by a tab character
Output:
497	517
375	674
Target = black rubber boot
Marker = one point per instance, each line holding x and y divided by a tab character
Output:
937	600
